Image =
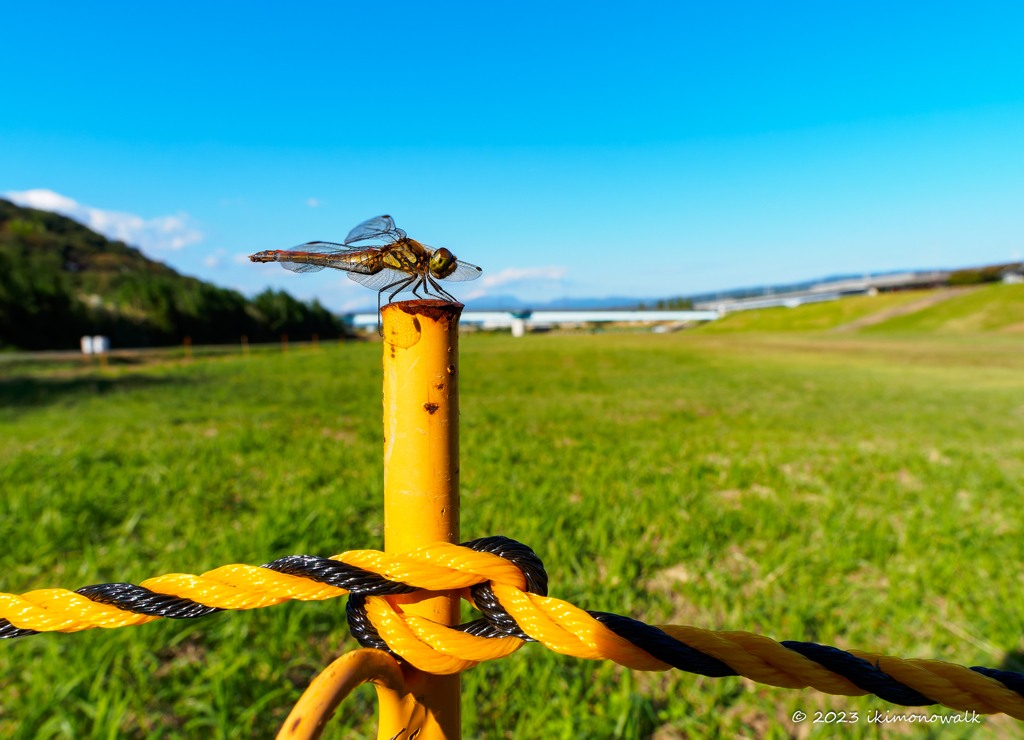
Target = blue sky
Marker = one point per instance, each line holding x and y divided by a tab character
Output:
568	149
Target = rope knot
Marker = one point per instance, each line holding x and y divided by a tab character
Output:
430	646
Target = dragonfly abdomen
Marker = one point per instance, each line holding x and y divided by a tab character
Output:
367	262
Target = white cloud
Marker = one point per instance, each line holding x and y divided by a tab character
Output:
241	258
356	304
520	274
158	234
313	203
215	260
512	275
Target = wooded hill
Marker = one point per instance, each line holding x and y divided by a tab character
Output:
59	280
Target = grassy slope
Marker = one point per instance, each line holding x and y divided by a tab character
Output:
810	317
991	308
862	493
60	280
97	263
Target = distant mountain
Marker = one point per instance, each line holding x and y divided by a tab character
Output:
60	280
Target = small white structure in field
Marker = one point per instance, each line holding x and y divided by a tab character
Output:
1013	276
518	327
86	345
100	345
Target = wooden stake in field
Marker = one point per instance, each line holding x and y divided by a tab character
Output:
188	348
245	346
284	344
421	478
316	342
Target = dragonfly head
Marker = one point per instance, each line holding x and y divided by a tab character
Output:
269	255
442	263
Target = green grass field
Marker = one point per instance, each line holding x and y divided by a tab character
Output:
862	491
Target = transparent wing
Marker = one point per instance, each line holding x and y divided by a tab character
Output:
322	248
301	267
382	227
464	272
380	280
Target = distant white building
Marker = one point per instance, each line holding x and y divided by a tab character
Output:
97	345
1013	275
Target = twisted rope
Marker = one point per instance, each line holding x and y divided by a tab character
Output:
507	582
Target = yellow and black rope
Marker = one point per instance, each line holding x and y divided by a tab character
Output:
507	582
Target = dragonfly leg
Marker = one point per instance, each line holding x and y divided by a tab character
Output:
415	287
426	286
403	283
441	291
437	288
380	316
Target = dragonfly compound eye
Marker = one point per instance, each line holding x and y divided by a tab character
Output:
442	263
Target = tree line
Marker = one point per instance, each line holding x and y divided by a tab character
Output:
59	281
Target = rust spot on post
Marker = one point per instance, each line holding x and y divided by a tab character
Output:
431	407
442	312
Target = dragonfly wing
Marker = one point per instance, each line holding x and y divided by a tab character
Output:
322	248
301	267
380	280
464	272
382	227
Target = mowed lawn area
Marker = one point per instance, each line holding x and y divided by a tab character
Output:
858	490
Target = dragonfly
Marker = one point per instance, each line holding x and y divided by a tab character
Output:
396	264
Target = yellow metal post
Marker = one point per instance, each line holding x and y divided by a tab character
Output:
421	476
311	713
